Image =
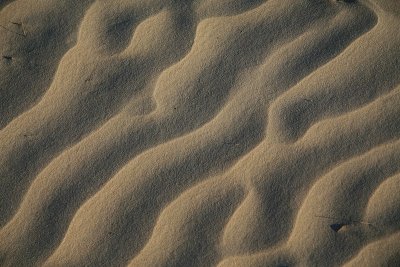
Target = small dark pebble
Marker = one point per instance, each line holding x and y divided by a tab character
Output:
7	57
336	226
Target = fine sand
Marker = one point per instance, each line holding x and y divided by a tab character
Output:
199	133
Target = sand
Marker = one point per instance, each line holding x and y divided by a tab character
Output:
199	133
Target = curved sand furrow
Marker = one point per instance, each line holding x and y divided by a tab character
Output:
13	155
48	128
64	159
35	46
171	166
326	94
342	196
383	206
91	208
359	166
335	198
187	219
203	133
379	253
280	171
150	179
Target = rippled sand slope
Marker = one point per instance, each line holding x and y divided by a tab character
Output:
199	133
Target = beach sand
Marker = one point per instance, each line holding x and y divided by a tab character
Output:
199	133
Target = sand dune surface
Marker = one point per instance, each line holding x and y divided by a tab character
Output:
199	133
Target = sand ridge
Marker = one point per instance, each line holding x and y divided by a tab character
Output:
199	133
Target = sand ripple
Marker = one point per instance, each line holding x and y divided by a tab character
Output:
199	133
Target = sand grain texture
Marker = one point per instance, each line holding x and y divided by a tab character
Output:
199	133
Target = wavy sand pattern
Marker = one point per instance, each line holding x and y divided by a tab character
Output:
199	133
